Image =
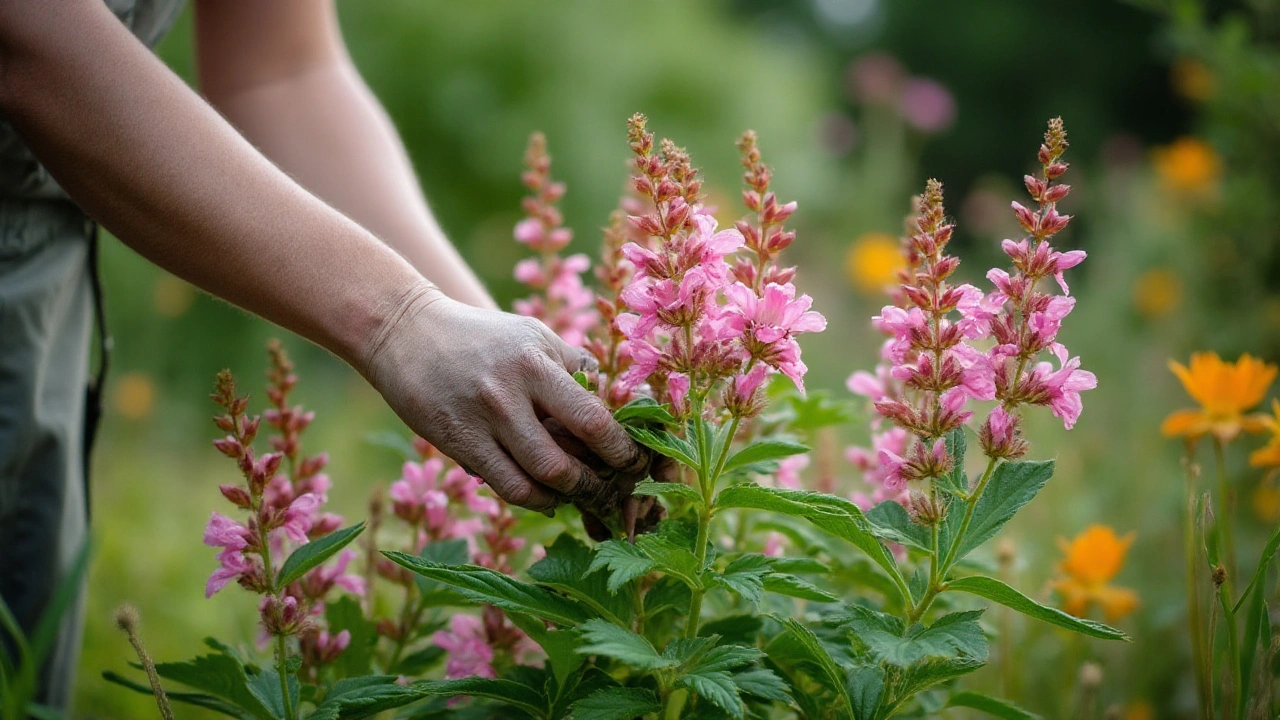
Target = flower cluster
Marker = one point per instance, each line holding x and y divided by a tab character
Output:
934	362
560	299
284	492
693	320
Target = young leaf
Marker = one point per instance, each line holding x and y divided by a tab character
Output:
624	561
487	586
1012	485
716	687
951	636
565	569
616	703
671	558
581	378
601	637
956	481
745	576
998	592
995	707
764	684
890	521
762	450
926	674
679	490
665	443
792	586
724	657
835	515
315	552
643	410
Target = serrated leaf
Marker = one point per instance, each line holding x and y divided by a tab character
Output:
956	481
835	515
443	552
799	566
561	646
616	703
643	410
764	684
1012	485
600	637
926	674
315	552
995	707
866	689
565	568
207	702
762	451
811	651
723	657
890	521
680	490
665	443
624	561
998	592
487	586
684	650
219	675
671	558
717	688
745	576
792	586
265	685
951	636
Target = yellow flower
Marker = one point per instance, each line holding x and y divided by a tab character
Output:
873	262
134	395
1188	165
1192	79
1092	559
1225	391
1156	292
1269	454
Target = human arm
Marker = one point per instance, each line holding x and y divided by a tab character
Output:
280	73
158	167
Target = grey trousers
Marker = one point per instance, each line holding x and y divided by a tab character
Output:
47	305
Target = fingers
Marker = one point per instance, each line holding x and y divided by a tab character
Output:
530	445
508	480
589	420
573	359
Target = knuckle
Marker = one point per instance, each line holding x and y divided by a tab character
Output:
515	491
494	399
593	420
553	468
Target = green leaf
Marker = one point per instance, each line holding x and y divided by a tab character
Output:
561	646
835	515
624	561
800	566
565	568
890	521
665	443
734	629
671	558
679	490
581	378
443	552
643	410
345	614
221	676
762	450
956	481
763	684
716	687
1012	485
600	637
207	702
487	586
745	576
368	701
995	707
616	703
1260	573
810	650
924	675
998	592
724	657
951	636
817	410
684	651
792	586
866	689
265	685
315	552
1254	618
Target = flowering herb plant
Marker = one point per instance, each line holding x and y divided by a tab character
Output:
736	595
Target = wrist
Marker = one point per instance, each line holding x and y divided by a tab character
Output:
386	319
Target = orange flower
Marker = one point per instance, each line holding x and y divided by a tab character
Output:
1225	391
1269	454
1189	165
873	262
1092	559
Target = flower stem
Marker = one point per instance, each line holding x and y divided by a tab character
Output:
1226	505
970	504
282	663
1200	659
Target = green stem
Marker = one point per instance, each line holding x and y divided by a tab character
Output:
1195	621
282	662
1226	508
970	504
1233	650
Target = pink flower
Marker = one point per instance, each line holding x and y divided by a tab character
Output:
893	465
770	322
789	470
468	651
927	106
1061	389
678	389
320	580
864	383
774	544
529	231
299	517
224	532
529	272
232	565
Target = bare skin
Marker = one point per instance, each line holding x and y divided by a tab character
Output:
155	164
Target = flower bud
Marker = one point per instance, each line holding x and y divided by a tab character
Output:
1035	186
229	446
1055	170
237	495
1056	193
1025	217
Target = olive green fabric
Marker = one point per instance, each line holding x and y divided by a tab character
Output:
48	299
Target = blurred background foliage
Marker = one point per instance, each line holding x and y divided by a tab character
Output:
1174	114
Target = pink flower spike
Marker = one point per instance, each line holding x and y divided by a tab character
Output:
224	532
529	231
469	654
678	389
299	517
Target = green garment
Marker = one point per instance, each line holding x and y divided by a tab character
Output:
48	408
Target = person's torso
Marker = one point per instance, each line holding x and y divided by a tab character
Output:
21	175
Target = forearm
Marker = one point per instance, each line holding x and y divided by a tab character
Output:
312	115
155	165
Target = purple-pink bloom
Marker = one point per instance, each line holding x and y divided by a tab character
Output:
224	532
927	105
299	517
1062	387
468	650
678	389
231	565
864	383
789	470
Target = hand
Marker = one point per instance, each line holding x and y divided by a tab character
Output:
477	384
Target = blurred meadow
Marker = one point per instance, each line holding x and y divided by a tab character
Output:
1173	111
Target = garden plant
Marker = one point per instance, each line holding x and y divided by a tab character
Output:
719	586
